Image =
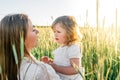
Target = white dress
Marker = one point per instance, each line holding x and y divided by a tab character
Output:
36	71
62	57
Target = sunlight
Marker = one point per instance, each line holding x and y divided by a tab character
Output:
107	12
83	10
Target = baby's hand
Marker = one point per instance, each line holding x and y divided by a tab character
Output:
50	60
46	59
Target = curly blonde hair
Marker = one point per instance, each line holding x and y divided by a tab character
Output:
71	27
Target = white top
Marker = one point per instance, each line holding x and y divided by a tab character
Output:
36	71
62	57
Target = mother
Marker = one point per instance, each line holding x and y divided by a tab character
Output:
16	29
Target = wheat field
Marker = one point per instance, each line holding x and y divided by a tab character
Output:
100	49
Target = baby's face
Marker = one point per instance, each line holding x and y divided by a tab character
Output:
59	33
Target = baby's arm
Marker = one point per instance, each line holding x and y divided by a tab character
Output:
68	70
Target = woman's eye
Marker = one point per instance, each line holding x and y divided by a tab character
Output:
34	30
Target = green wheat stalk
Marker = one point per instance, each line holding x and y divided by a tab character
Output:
0	69
22	46
78	70
118	77
15	54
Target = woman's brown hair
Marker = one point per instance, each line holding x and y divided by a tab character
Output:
11	28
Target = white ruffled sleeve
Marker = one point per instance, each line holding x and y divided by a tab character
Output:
74	51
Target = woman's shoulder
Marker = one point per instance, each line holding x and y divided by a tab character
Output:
32	70
32	62
40	70
28	64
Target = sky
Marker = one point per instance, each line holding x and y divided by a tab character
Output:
44	12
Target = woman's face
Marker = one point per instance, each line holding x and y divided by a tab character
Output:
31	37
60	34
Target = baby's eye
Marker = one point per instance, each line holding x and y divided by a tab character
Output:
58	32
